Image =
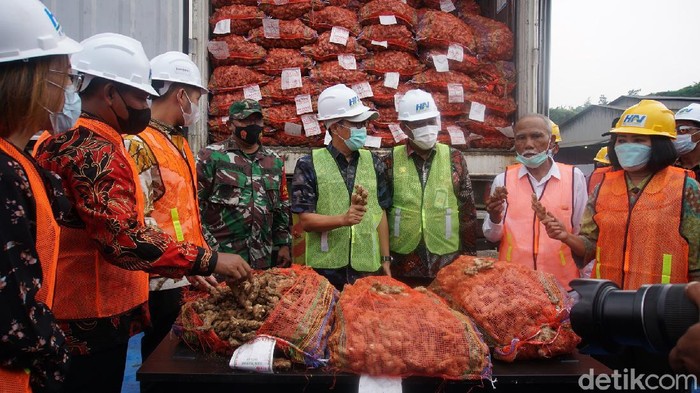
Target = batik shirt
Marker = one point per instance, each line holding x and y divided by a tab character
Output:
244	201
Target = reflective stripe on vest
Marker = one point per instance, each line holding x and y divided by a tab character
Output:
46	245
597	177
177	211
359	243
83	273
430	212
646	246
525	239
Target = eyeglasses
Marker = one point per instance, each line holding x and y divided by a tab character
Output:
76	80
354	125
687	129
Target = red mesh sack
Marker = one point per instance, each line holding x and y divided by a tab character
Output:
495	142
325	50
467	7
404	13
349	4
439	80
278	59
328	17
468	65
393	61
284	139
397	37
504	106
228	78
387	115
331	73
439	29
275	116
243	18
384	96
289	10
241	52
219	104
384	327
447	108
497	77
273	90
293	34
494	39
387	137
218	130
532	323
224	3
488	128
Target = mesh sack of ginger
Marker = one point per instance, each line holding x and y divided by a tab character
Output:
386	328
522	313
292	305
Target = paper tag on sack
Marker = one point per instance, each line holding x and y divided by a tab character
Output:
292	129
291	78
372	384
281	2
252	92
455	93
218	49
303	102
397	132
456	135
397	98
327	139
387	19
441	63
254	356
477	111
381	43
391	80
507	131
363	89
271	28
339	35
373	141
347	61
455	52
438	119
223	26
311	126
447	6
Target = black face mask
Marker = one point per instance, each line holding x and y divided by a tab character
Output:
136	122
250	134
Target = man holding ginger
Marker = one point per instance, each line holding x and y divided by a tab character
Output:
528	192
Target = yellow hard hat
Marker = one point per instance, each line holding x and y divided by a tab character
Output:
555	132
648	117
602	156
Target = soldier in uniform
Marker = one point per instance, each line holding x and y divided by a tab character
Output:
242	192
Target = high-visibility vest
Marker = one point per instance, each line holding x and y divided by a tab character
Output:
597	177
177	210
359	244
431	212
46	245
641	245
525	239
40	141
87	286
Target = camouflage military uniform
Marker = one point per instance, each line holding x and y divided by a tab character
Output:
243	200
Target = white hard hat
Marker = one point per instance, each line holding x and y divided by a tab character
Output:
29	29
117	58
417	105
341	102
176	67
690	112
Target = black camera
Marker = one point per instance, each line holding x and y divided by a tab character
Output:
608	319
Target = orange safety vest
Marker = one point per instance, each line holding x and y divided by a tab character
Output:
46	245
525	239
42	138
597	177
642	245
87	286
177	211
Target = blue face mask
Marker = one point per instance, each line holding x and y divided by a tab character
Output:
357	138
633	155
535	161
66	119
684	143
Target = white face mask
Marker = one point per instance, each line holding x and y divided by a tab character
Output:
425	137
193	116
66	119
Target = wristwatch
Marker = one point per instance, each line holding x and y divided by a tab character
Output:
387	258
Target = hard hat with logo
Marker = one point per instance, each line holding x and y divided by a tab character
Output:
648	117
690	112
117	58
176	67
556	132
602	156
417	105
29	29
341	102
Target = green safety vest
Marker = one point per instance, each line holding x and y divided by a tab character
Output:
359	244
431	212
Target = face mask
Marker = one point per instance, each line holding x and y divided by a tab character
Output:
633	155
684	144
136	122
535	161
190	118
249	134
357	139
65	120
425	137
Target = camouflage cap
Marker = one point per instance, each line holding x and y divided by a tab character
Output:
241	109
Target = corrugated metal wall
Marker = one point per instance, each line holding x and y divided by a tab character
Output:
158	24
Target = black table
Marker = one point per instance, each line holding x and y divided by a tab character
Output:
173	367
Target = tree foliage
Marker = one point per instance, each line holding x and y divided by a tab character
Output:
561	114
688	91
